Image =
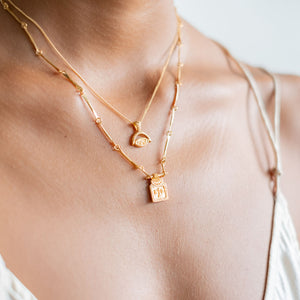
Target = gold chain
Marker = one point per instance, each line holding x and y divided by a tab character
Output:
158	188
136	124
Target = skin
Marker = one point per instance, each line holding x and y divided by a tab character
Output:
75	219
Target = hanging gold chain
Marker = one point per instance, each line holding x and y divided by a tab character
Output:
158	187
136	124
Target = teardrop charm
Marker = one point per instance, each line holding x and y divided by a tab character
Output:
139	138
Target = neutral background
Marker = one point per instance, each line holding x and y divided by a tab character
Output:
260	32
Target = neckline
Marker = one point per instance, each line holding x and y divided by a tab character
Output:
12	284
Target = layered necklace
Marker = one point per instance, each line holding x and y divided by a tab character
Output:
158	188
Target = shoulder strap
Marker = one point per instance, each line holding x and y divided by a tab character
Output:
277	96
277	170
274	137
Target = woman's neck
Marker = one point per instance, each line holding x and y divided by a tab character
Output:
117	31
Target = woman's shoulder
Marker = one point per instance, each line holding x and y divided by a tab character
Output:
210	60
213	70
291	97
289	89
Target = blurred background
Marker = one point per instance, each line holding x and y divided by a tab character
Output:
260	32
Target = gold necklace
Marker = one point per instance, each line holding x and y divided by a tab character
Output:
139	138
158	188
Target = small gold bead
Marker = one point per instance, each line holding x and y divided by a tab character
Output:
38	52
98	120
5	6
175	107
169	132
80	90
24	25
64	73
117	147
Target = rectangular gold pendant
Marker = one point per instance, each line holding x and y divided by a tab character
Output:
158	189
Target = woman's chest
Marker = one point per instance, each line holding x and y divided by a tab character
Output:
83	234
77	221
169	254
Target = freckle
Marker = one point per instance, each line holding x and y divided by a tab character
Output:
65	136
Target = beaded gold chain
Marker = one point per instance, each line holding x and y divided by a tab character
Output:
158	188
138	138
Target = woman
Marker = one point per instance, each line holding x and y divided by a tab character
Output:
77	222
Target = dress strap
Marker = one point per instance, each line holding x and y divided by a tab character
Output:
274	137
277	97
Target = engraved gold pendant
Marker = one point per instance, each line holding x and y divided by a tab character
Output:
158	189
139	138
